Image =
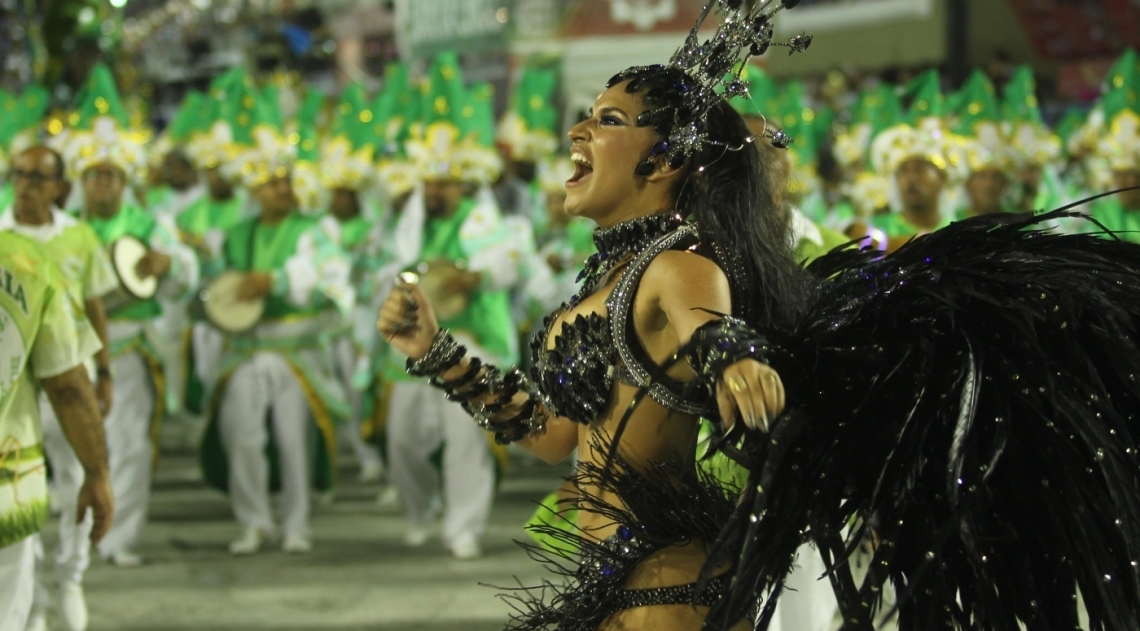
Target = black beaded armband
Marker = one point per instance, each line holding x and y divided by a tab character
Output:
718	344
482	390
443	354
531	421
503	389
454	385
484	383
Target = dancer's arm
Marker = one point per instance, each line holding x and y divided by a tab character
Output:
691	291
499	402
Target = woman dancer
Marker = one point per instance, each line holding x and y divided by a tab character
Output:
658	281
939	395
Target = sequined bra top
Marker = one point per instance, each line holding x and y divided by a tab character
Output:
576	378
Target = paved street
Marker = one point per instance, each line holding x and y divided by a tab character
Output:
359	575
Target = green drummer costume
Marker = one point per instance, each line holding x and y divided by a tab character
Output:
104	155
985	143
529	131
923	137
167	200
207	133
454	147
276	379
1119	150
1036	146
864	192
789	110
348	173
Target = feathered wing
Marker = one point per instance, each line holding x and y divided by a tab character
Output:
972	399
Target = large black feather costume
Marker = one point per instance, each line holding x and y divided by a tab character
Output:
972	400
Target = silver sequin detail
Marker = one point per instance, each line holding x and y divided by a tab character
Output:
620	304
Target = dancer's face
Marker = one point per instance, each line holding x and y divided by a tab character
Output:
606	149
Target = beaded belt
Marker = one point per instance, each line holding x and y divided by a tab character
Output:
599	565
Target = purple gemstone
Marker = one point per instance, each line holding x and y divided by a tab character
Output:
624	533
561	378
603	256
607	571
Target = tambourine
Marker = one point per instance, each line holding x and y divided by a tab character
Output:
223	308
126	252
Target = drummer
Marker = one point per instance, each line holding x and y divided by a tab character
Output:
282	368
105	164
348	173
38	176
466	243
203	226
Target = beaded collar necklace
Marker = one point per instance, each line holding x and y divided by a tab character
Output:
615	243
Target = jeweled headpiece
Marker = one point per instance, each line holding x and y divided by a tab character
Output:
683	92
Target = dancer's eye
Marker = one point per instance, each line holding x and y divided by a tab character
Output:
611	120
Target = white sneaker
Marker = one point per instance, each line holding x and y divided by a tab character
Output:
466	547
72	606
296	544
416	536
248	543
37	622
125	559
371	472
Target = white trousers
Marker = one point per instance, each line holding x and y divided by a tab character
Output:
129	451
263	385
344	363
171	327
209	348
17	575
420	420
73	552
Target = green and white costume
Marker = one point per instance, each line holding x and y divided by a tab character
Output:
40	337
924	136
455	143
139	379
1119	147
284	365
87	273
102	135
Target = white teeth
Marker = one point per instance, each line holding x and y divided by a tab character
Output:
579	158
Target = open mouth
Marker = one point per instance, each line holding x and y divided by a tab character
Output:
582	169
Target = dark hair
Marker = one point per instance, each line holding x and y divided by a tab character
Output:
734	193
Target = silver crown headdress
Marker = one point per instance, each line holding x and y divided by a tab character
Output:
682	92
